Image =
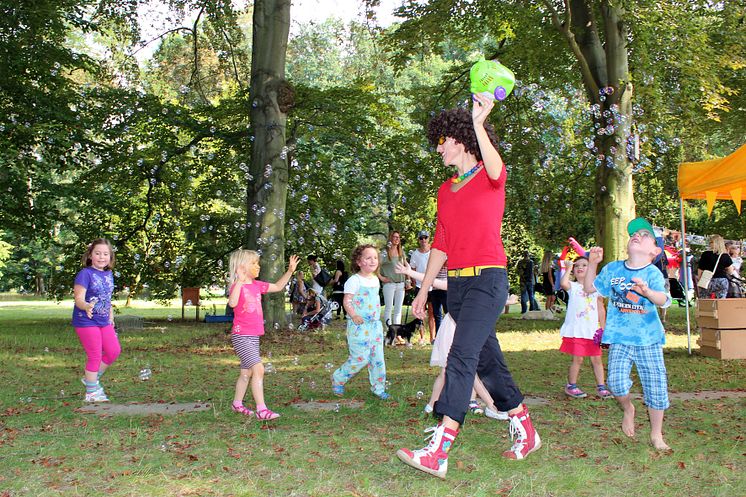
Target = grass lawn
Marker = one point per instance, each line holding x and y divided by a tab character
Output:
48	447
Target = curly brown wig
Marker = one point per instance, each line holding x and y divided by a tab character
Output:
457	124
357	254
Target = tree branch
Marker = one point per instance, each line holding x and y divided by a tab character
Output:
233	59
195	51
565	28
166	33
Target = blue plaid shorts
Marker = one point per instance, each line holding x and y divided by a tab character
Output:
650	368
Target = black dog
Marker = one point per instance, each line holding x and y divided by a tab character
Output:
402	330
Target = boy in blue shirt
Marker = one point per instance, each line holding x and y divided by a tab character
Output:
634	331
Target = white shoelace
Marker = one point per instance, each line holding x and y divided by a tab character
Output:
516	428
430	439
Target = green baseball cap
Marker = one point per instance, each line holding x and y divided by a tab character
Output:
638	224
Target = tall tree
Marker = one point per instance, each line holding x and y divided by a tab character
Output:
272	97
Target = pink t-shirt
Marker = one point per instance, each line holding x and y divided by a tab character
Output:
248	318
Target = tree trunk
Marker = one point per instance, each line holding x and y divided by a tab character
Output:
605	73
41	287
616	202
271	100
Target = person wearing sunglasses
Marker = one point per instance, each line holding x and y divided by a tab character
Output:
468	236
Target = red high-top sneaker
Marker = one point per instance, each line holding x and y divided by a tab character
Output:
524	436
433	458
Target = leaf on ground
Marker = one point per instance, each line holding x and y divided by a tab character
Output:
579	453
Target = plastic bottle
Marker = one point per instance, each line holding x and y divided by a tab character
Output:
491	78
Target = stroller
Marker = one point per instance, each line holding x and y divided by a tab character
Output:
678	293
736	287
321	318
562	298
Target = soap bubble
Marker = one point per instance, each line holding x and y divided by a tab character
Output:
419	395
170	317
145	373
336	407
312	384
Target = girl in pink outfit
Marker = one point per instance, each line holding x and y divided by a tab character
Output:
248	325
93	316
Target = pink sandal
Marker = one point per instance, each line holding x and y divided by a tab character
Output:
242	409
266	415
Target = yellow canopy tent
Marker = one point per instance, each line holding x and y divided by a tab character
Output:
718	179
710	180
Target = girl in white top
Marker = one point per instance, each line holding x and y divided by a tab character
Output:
582	329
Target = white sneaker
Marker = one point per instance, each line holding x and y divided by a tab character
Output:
97	396
502	416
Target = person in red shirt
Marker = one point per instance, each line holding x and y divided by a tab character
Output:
468	236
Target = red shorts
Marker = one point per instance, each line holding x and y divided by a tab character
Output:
580	347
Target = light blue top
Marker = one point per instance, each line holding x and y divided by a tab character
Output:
631	319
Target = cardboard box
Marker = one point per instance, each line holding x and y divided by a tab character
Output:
723	344
721	313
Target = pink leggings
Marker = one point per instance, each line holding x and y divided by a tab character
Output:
100	344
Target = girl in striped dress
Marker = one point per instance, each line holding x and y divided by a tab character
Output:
248	325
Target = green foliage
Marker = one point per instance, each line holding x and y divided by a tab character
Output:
158	158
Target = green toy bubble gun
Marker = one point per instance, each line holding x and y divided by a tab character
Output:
491	78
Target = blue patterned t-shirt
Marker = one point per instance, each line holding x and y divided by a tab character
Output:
631	319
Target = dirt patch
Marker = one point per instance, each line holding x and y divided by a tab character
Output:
144	409
707	395
328	406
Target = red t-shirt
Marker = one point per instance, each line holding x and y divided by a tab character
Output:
470	221
248	318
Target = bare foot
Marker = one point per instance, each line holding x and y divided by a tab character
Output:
628	421
659	444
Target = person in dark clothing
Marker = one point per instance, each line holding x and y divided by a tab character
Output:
338	287
526	275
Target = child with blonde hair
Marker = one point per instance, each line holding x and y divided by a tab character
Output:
248	325
584	320
635	287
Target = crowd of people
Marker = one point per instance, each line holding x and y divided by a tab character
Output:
460	280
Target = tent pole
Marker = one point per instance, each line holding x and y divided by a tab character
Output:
685	268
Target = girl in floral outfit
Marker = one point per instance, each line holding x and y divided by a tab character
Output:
364	329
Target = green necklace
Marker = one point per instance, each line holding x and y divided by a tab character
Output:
468	173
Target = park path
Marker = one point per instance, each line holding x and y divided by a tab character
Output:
134	409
